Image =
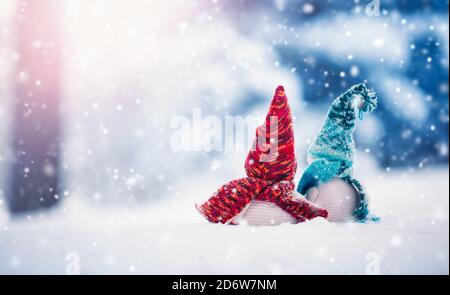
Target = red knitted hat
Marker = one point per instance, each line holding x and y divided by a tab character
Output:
272	156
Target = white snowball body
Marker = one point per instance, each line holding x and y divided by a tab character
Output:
337	197
262	213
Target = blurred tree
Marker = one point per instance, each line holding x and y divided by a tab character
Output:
36	128
404	141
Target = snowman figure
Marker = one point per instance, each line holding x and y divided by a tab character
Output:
328	180
265	196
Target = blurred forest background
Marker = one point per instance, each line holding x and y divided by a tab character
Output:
88	88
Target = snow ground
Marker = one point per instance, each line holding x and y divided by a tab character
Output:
171	238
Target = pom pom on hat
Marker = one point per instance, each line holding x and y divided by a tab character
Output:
364	100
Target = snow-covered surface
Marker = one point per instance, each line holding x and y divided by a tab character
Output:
116	147
172	238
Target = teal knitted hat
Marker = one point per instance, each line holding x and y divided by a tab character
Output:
331	153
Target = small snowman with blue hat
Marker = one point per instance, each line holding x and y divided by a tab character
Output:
328	180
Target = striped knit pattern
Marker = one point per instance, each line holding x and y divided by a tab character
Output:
270	167
274	159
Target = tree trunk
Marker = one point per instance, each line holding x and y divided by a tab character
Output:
36	127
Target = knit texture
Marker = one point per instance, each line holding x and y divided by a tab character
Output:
332	149
270	167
